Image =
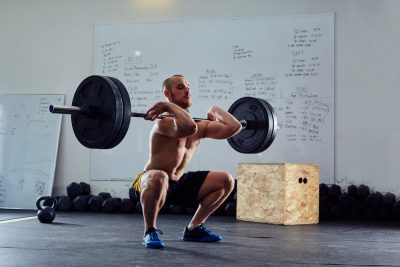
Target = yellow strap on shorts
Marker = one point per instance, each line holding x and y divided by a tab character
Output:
136	182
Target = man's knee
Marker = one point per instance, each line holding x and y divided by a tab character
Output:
229	182
225	181
156	180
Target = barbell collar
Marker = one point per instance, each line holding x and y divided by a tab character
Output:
91	111
244	124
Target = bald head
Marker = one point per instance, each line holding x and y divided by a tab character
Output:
167	82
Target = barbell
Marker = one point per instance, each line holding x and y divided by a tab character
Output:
101	114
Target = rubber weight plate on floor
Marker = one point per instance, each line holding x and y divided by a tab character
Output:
261	125
101	122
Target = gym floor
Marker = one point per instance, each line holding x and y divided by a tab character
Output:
100	239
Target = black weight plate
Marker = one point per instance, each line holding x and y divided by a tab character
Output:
272	125
114	135
101	97
259	127
126	113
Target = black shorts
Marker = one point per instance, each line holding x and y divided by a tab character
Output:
186	189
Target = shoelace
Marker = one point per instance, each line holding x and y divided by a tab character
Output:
153	234
205	229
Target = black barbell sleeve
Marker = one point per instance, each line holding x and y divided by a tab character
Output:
71	110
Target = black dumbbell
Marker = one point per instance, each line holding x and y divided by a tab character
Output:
74	189
189	210
323	190
104	195
112	205
133	194
232	196
396	210
352	191
176	209
334	193
139	207
324	207
374	201
128	205
363	191
389	199
230	208
344	201
64	203
335	190
338	213
95	203
80	203
85	188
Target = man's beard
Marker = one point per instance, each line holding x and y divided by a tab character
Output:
181	104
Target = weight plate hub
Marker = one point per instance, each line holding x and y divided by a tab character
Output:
261	125
100	97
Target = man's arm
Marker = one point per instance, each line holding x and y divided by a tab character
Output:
222	125
179	125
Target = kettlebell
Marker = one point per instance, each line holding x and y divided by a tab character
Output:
46	214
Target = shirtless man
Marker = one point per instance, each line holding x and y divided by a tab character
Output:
173	141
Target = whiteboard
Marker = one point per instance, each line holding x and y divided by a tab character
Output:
29	136
286	60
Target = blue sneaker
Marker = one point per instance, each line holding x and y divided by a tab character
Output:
151	240
200	234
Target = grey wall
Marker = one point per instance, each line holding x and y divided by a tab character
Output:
46	46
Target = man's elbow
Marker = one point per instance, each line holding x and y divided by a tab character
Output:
237	128
188	130
230	131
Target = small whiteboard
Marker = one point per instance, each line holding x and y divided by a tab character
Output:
29	136
286	60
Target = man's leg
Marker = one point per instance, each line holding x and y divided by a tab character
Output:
216	188
154	186
153	192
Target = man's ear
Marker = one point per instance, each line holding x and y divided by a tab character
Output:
167	93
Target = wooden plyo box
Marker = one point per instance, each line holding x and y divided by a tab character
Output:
278	193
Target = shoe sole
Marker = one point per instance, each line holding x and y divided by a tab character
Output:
201	240
153	245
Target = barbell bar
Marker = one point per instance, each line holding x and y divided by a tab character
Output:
101	114
72	110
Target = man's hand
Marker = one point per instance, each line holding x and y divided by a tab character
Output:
216	113
211	115
178	122
156	110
